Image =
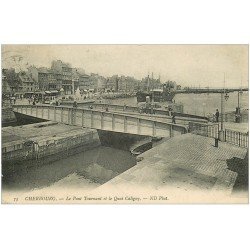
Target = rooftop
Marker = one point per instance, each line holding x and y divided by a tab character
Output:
25	77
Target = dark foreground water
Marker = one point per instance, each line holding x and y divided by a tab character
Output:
87	169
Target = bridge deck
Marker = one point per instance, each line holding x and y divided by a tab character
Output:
158	112
103	120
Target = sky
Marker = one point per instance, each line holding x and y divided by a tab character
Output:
188	65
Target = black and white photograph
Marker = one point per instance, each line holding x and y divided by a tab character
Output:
133	124
124	124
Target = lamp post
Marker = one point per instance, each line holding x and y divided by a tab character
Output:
224	97
239	93
237	113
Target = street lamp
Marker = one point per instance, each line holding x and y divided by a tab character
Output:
240	92
237	113
224	96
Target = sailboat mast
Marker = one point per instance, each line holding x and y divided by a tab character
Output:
148	83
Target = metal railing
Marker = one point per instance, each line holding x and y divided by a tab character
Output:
236	138
103	120
212	130
136	109
207	130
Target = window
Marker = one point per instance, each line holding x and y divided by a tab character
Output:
16	147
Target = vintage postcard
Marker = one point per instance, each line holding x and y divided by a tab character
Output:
124	124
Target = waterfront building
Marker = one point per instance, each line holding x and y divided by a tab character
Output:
128	84
45	78
121	83
12	79
80	79
66	71
84	81
21	82
62	77
97	82
27	84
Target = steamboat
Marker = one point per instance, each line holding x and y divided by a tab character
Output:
164	94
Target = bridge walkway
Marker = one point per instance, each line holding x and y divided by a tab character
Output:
103	120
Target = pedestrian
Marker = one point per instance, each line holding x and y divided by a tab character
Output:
29	100
75	104
173	118
217	114
169	111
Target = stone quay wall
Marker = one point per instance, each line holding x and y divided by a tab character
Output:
43	150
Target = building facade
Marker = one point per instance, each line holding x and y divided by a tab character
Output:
65	71
64	78
26	83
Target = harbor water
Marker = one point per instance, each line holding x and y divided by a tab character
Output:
199	104
204	104
85	170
